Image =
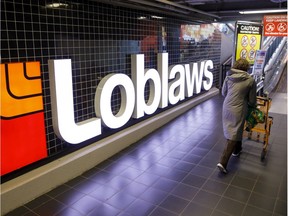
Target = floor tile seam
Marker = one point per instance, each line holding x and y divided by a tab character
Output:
69	207
242	188
101	203
41	204
83	195
197	175
154	183
197	203
29	210
278	184
169	194
226	213
158	204
246	178
201	188
27	213
279	188
257	207
282	200
264	195
247	203
160	208
137	198
212	192
203	157
147	187
241	176
186	199
222	195
229	198
52	198
190	201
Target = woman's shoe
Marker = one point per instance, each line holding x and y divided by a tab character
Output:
237	153
221	168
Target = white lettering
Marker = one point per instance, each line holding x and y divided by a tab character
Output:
249	28
60	76
197	76
168	84
177	85
103	100
207	84
162	66
140	77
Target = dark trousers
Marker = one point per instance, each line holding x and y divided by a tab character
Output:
231	146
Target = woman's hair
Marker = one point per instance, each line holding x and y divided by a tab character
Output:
241	64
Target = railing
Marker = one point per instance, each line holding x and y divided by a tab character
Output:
224	68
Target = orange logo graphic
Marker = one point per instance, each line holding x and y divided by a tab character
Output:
23	139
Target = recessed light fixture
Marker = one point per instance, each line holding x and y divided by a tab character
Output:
56	5
157	17
141	18
263	11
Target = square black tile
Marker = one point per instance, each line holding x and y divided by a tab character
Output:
193	180
202	171
174	204
104	210
237	193
159	211
281	207
49	208
18	211
230	206
242	182
86	204
196	209
103	193
69	197
207	199
215	187
255	211
165	184
263	202
154	196
140	208
120	200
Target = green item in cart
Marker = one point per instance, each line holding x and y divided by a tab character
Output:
254	116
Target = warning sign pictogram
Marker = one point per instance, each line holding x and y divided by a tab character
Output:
275	25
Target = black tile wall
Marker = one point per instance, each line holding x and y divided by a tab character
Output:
99	39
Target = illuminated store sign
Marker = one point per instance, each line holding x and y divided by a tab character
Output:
23	138
168	85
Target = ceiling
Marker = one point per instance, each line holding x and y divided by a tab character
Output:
204	10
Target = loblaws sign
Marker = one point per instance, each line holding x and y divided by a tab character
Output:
168	85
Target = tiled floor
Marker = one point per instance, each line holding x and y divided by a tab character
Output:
173	172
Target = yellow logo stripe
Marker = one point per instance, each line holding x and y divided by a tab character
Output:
21	91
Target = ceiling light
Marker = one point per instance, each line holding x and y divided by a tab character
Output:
157	17
263	11
56	5
141	18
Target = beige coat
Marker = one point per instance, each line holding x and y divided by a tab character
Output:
239	90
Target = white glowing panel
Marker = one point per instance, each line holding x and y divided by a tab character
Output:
60	76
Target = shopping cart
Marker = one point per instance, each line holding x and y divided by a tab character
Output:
261	131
